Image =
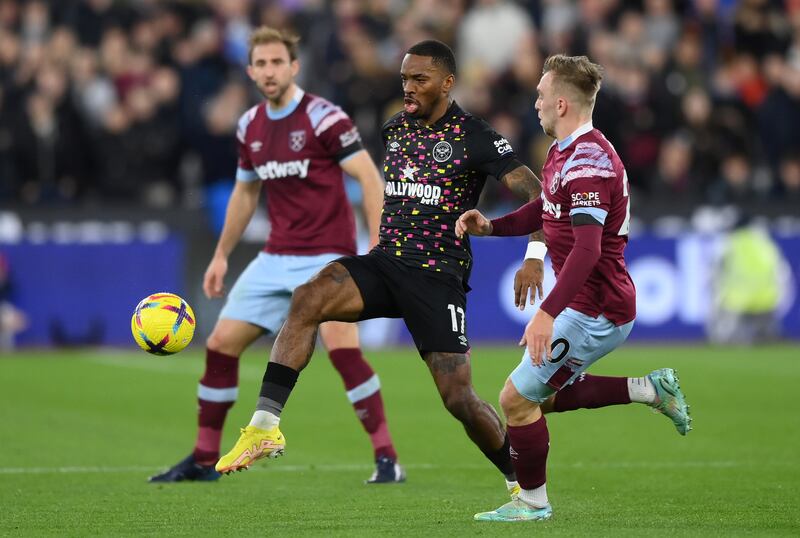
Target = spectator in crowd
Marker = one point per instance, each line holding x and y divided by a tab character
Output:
90	89
747	287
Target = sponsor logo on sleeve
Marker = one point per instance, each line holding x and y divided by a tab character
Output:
502	146
394	147
349	137
585	199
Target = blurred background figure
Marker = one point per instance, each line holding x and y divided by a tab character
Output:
12	319
748	282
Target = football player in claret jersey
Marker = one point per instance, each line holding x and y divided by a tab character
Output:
295	146
437	159
584	210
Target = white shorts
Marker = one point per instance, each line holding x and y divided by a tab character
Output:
263	292
578	342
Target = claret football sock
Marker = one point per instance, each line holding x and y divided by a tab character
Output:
593	391
529	447
216	394
364	392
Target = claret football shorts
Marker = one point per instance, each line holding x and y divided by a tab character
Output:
433	305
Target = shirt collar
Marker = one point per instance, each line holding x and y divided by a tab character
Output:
582	130
280	113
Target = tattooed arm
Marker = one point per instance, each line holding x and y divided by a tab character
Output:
524	183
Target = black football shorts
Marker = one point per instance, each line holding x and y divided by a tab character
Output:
433	305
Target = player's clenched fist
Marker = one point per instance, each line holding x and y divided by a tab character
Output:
212	281
474	223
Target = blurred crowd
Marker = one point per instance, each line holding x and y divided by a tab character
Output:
106	102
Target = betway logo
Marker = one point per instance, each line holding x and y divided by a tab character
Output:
427	194
277	170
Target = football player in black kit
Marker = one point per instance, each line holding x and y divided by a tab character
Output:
437	160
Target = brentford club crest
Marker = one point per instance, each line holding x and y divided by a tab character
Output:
297	140
442	151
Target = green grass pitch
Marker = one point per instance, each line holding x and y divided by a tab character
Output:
80	431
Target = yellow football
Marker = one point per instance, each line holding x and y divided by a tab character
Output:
163	324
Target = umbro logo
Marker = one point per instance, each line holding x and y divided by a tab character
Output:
394	147
256	146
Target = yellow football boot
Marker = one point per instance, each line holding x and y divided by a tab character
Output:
253	444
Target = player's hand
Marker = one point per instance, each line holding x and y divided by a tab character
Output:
529	278
213	280
538	336
474	223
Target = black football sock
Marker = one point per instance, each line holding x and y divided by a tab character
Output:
501	459
276	387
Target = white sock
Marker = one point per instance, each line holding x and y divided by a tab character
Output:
641	390
264	420
535	497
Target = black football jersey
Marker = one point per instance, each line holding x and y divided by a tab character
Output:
434	174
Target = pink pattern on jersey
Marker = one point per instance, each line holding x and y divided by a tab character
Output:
330	121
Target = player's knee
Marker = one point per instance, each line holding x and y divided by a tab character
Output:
222	341
461	402
307	302
515	407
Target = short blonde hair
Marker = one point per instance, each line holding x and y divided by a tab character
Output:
578	73
265	34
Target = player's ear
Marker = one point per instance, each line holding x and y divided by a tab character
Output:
250	72
561	106
295	67
448	83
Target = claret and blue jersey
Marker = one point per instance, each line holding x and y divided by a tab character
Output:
583	175
296	152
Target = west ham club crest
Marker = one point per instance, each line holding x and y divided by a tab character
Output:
297	140
556	181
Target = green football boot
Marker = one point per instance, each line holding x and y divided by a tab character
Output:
671	401
516	510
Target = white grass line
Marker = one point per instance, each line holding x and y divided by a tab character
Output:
333	468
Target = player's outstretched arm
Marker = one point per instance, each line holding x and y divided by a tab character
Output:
361	167
241	207
473	222
522	182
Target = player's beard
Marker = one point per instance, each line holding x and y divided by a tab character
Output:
275	93
548	129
